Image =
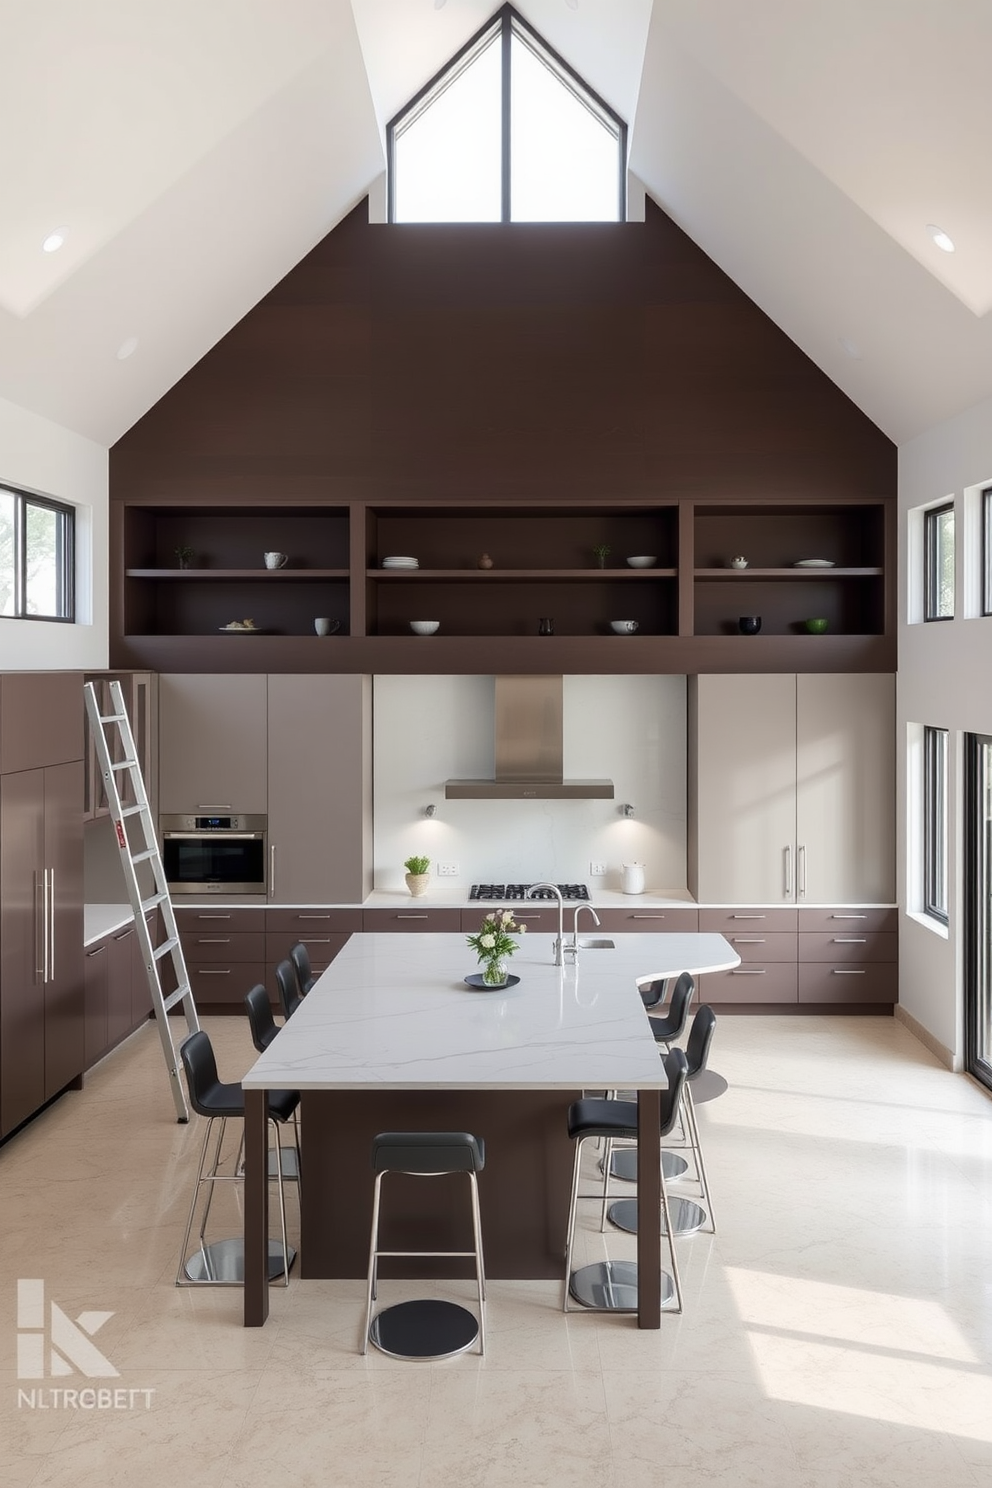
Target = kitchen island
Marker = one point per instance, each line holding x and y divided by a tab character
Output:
391	1037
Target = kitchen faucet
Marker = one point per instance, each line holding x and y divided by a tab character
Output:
561	915
574	947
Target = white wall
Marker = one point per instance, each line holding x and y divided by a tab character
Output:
945	671
631	730
49	460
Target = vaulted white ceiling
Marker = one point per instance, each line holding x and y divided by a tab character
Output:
193	152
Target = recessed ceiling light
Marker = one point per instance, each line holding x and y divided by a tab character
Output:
940	238
54	241
852	348
127	348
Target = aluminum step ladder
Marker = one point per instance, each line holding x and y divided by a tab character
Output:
131	813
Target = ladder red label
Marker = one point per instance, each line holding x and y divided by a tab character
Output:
122	840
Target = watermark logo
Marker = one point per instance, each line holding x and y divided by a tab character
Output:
50	1344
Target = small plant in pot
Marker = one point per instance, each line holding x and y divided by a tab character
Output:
417	875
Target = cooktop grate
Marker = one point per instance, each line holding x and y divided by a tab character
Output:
490	891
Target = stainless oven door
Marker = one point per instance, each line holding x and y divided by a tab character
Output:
215	862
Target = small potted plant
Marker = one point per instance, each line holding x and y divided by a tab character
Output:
185	556
417	875
602	552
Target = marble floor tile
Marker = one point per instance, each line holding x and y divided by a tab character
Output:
837	1328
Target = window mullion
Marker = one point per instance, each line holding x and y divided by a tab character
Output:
506	40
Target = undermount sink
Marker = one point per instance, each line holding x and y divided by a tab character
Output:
597	945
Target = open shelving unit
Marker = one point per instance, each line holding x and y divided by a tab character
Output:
544	564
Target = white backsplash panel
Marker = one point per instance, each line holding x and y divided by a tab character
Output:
631	730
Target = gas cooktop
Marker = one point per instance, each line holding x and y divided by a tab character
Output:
519	891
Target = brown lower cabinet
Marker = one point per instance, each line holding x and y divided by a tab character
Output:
413	919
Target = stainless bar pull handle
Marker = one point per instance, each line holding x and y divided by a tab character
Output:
213	805
749	940
96	951
739	971
213	917
45	917
316	940
642	917
313	917
40	929
750	916
51	923
272	868
124	935
219	836
411	917
850	940
214	940
788	873
802	871
207	971
848	916
527	917
839	971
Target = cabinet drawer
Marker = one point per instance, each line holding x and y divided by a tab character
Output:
226	983
221	920
849	921
321	948
206	946
741	920
847	945
872	982
538	921
413	919
297	924
756	945
776	981
643	920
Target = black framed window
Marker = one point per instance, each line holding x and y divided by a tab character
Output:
506	132
935	823
987	552
978	906
938	562
37	557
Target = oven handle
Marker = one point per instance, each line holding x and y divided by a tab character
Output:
212	836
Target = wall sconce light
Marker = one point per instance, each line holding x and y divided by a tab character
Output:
627	809
430	810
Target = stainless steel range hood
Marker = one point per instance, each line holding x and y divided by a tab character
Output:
528	749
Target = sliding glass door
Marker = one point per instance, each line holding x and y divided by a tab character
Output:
978	906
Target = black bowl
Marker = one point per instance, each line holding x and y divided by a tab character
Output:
749	624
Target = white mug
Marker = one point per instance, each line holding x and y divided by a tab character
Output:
322	625
276	560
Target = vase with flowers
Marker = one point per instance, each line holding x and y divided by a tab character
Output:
494	944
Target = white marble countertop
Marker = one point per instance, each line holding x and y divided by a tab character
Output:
393	1011
103	919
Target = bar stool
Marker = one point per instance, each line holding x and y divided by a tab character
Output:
289	988
222	1262
612	1285
686	1216
264	1029
300	958
666	1029
429	1328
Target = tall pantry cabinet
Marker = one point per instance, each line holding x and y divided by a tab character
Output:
41	890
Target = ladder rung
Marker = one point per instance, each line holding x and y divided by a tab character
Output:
112	717
134	810
165	947
147	904
125	764
174	998
142	857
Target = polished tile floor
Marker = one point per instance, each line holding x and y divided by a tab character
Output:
837	1330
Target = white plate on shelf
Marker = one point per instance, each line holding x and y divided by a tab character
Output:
814	563
241	630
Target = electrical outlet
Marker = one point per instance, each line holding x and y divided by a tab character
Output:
597	870
447	870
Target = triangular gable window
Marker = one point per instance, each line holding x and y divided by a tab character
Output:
507	132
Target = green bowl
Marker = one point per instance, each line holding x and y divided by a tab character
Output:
815	627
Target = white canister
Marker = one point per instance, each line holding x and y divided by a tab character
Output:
633	878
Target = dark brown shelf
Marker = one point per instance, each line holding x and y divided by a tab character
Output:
279	575
741	575
542	575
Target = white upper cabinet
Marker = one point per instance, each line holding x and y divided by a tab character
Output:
792	788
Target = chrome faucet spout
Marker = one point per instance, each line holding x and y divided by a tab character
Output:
574	947
559	943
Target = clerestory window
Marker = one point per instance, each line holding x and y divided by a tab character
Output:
506	132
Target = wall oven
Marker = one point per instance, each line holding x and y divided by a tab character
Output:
214	854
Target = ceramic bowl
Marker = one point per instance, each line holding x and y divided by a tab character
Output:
424	627
815	627
749	624
624	627
645	560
